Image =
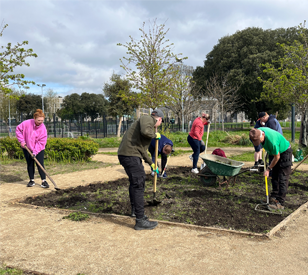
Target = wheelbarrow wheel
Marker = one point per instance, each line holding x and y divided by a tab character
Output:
207	177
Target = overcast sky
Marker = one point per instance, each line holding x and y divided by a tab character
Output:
76	40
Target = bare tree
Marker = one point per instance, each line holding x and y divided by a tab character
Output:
186	99
149	65
218	88
51	98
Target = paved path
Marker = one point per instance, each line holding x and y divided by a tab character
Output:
39	239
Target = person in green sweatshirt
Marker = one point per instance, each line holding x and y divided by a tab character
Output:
132	150
280	149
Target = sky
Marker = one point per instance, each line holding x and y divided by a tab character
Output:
76	40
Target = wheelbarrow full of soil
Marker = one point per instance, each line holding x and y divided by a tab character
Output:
217	166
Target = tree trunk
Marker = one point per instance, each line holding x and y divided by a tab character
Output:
303	138
119	127
222	117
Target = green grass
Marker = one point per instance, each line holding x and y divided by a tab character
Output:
248	156
179	139
77	216
12	271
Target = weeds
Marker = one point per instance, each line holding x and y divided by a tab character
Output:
77	216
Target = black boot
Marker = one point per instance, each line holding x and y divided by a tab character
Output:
133	212
145	224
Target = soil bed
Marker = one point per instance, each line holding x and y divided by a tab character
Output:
185	199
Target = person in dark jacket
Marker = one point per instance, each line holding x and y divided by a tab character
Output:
164	149
278	147
132	150
269	121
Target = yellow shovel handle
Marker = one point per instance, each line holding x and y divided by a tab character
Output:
266	186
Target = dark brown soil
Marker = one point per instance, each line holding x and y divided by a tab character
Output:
185	199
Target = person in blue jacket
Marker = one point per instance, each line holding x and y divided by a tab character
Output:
164	149
271	122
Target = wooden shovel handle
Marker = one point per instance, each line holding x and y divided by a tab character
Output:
156	156
38	163
299	163
207	136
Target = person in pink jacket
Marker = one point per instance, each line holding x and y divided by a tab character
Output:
33	134
195	139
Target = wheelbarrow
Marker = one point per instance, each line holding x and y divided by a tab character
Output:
219	166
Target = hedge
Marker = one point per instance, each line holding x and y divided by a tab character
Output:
57	149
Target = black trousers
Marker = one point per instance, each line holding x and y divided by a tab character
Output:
280	176
163	157
134	169
31	161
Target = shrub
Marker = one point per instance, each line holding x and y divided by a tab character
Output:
57	149
12	147
67	149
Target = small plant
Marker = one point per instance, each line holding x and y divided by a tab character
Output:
77	216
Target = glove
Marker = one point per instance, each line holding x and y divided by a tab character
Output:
153	168
33	156
158	136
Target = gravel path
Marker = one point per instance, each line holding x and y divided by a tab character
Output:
39	239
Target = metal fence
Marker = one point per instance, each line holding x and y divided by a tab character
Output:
107	127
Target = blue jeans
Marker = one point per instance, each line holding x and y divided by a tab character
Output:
197	148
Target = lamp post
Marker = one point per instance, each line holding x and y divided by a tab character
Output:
42	85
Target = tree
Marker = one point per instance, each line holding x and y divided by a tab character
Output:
122	101
27	104
94	104
287	78
240	55
10	58
186	100
72	107
154	61
8	105
51	102
225	94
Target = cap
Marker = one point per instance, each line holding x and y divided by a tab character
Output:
255	136
159	113
262	114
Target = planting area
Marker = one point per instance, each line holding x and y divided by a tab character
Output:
185	199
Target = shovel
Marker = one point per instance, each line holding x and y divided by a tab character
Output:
37	162
155	202
165	166
207	137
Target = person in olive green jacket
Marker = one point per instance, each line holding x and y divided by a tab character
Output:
132	150
280	149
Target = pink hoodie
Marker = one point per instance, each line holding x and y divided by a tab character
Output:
34	136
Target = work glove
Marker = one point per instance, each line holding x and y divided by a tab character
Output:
153	168
158	136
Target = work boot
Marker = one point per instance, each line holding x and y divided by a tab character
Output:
145	224
275	206
31	183
133	212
